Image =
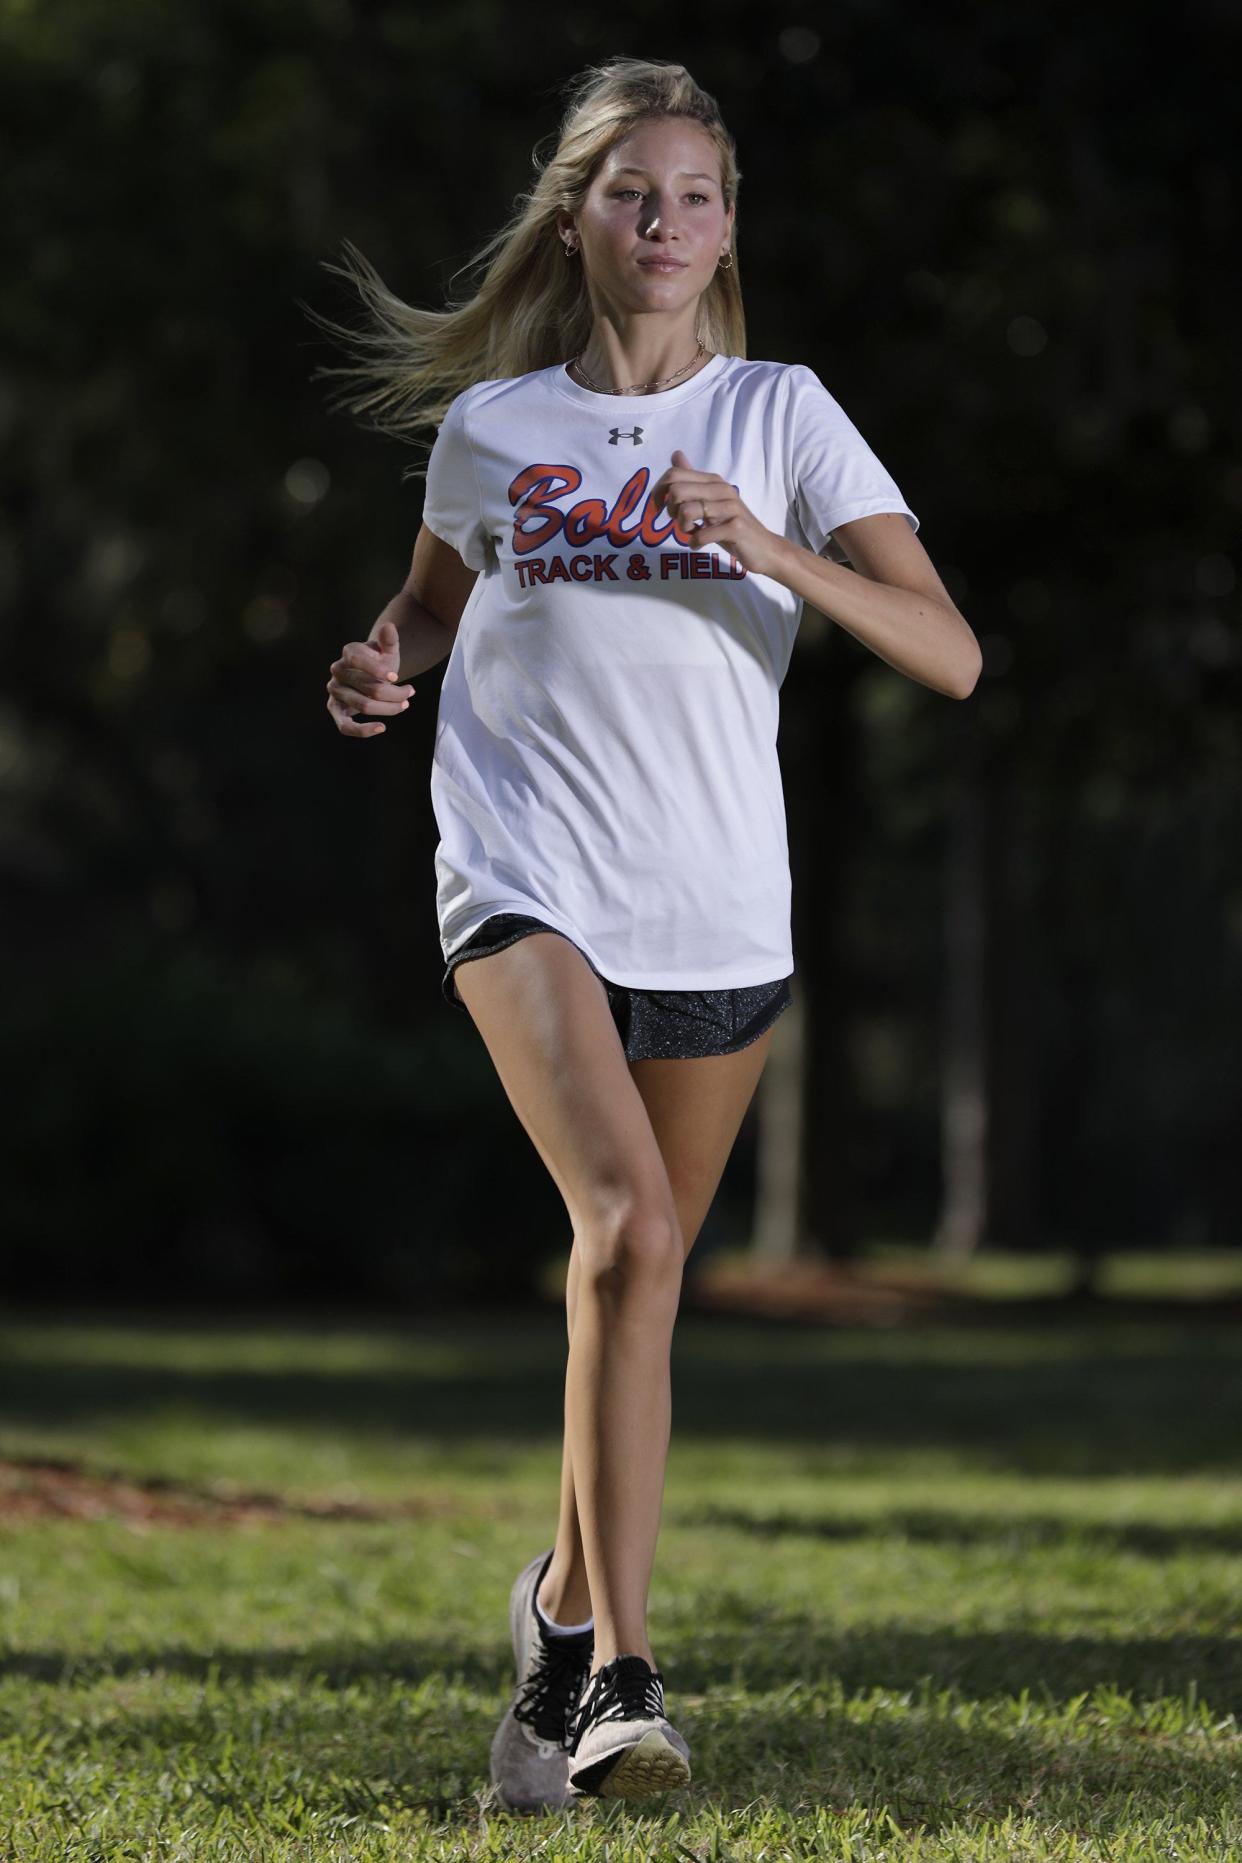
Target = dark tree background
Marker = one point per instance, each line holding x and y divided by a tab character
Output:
1006	241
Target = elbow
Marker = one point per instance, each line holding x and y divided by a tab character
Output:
968	679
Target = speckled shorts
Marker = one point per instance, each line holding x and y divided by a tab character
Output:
654	1025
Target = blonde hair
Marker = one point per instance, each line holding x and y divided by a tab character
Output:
531	307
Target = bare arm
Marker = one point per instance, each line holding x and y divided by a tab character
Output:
424	640
426	611
896	604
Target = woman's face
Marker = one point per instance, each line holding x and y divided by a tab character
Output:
656	196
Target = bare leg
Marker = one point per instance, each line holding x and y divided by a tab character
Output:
565	1594
696	1109
618	1408
544	1018
649	1450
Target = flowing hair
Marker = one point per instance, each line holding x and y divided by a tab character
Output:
531	307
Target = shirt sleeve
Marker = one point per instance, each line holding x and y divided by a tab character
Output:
452	504
834	475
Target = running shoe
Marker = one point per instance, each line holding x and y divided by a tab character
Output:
621	1744
529	1762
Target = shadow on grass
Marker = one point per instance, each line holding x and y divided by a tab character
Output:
1077	1403
791	1647
931	1526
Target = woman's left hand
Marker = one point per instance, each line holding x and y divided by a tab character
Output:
707	509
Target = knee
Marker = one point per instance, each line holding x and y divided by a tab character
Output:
636	1244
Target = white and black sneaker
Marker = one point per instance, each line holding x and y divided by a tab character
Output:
621	1743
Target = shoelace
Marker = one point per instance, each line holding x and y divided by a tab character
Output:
550	1692
625	1689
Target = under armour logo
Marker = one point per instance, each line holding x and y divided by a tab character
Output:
620	433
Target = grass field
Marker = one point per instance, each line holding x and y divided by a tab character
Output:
926	1594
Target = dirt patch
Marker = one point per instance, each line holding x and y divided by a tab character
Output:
812	1290
833	1293
47	1490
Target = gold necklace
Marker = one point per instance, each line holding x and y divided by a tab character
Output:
635	386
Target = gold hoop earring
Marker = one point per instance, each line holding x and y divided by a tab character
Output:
723	267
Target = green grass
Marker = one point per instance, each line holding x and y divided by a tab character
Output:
927	1594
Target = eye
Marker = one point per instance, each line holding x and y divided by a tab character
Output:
620	191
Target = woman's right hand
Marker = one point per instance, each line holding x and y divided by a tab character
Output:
364	680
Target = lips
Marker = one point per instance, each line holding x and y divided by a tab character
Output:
663	265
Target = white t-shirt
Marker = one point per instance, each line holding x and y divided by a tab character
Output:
605	756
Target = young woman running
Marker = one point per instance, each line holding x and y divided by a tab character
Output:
623	515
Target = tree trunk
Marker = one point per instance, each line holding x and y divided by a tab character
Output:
805	1201
964	1082
779	1146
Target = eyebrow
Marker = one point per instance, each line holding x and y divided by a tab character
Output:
688	174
